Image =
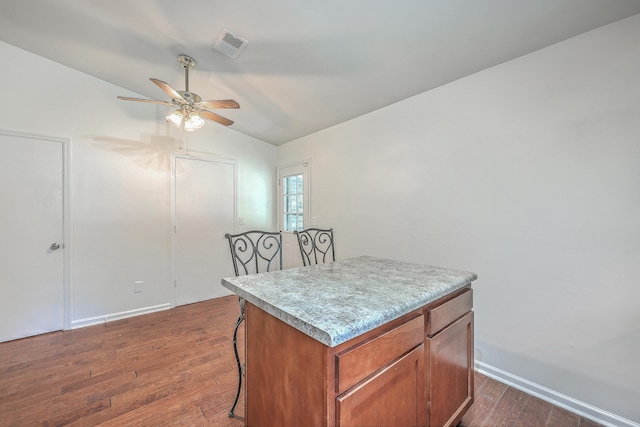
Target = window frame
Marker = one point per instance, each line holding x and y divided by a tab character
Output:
299	168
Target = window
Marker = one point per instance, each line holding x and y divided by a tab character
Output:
293	197
293	203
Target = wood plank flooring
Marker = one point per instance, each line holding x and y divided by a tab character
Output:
175	367
497	404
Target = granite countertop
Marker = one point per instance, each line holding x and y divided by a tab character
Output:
335	302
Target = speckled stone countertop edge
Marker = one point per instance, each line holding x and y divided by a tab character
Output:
337	331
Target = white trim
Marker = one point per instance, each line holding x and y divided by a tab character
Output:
68	235
97	320
205	158
303	162
570	404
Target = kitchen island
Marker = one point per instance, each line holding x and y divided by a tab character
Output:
364	341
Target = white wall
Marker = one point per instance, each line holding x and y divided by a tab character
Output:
120	178
527	174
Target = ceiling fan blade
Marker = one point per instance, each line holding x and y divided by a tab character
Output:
216	118
223	103
167	89
152	101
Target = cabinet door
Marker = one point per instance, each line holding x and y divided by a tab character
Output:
394	396
450	373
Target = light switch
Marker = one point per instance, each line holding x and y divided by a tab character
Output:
138	286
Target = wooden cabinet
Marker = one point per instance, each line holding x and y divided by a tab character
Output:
450	360
382	380
388	397
414	371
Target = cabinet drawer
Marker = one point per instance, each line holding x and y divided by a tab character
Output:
393	396
356	363
443	315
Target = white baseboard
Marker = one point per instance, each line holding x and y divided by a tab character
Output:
570	404
89	321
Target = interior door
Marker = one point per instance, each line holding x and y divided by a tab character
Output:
32	249
204	210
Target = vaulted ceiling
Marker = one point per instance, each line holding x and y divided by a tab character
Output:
308	64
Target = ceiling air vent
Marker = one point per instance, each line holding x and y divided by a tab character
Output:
230	43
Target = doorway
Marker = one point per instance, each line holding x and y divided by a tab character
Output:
204	209
33	179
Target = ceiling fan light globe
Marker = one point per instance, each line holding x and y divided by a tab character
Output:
175	118
194	122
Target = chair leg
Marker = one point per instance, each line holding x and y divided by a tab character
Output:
235	350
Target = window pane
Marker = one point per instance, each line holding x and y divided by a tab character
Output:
293	202
299	204
299	182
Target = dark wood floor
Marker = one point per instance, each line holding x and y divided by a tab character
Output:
497	404
175	367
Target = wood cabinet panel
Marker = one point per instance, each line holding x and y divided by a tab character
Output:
450	372
356	363
391	397
441	316
285	374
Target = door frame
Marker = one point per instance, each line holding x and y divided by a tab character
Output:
205	158
67	220
304	167
291	257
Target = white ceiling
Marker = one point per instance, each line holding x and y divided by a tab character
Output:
309	64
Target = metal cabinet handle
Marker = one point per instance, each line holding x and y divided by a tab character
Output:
54	246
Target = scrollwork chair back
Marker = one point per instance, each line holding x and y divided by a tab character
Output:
316	245
255	251
252	252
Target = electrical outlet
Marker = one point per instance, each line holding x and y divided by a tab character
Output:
314	221
138	286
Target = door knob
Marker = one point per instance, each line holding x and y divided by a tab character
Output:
54	246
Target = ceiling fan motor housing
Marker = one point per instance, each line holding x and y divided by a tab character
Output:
190	96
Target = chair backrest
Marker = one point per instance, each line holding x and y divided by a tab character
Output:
255	251
316	245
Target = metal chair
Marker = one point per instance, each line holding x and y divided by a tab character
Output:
252	252
316	245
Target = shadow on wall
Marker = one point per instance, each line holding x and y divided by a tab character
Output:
151	152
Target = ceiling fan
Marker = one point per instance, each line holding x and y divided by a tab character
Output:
191	109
